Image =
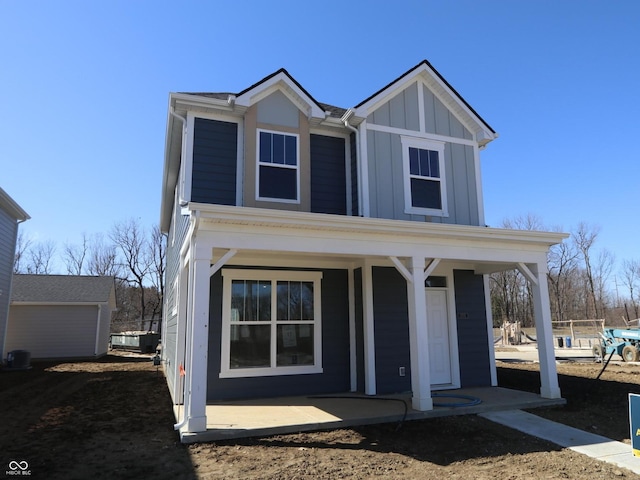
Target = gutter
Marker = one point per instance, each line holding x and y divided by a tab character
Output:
345	119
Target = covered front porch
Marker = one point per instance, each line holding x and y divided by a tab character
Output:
231	238
274	416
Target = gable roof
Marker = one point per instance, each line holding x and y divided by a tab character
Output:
61	289
9	205
443	89
281	80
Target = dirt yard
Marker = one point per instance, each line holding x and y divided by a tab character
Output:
112	419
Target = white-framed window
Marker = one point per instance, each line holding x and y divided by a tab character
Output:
278	167
271	323
425	190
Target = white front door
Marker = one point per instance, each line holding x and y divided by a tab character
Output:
438	330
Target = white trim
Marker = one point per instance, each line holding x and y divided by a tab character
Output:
363	183
479	190
187	159
422	135
284	83
95	351
421	113
428	270
223	260
258	197
228	275
423	144
240	166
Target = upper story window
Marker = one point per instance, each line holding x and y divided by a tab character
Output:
424	177
278	169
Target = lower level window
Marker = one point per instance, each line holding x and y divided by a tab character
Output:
271	323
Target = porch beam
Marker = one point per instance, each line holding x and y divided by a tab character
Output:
431	267
549	387
402	269
419	338
223	260
529	275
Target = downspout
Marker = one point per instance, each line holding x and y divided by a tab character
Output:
181	200
345	119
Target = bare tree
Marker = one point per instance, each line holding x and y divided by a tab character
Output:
562	264
40	258
129	238
157	254
584	238
631	278
103	258
23	244
74	256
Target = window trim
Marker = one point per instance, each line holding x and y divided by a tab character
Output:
276	165
423	144
228	275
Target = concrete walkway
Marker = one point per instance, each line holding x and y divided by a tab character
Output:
595	446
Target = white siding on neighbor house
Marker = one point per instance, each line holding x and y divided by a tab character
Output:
104	330
8	231
53	331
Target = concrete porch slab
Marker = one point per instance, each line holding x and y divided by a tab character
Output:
272	416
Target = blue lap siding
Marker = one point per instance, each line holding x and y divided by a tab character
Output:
391	324
215	152
475	368
335	350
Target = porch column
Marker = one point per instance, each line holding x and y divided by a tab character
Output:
419	337
196	368
549	387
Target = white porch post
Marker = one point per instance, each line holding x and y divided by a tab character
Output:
419	338
196	368
549	387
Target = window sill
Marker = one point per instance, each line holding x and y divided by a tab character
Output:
426	211
270	372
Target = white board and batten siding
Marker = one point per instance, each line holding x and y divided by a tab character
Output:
417	112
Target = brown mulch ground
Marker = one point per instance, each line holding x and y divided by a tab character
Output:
112	419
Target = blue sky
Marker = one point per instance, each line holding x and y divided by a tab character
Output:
85	90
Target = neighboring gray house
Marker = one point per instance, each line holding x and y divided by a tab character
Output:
61	316
314	249
11	215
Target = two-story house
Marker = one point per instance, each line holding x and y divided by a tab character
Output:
314	249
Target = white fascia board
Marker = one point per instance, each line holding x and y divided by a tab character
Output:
181	101
289	231
385	95
283	83
10	206
482	131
